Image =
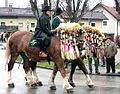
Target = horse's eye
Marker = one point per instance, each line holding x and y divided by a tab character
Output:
81	41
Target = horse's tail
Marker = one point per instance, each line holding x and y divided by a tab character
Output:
7	52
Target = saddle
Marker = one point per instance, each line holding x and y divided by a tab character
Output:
40	43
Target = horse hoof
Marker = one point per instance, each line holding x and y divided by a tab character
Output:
11	85
53	88
72	84
70	90
25	78
27	84
33	86
39	84
90	86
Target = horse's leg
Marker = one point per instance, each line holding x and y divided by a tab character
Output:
28	71
52	78
10	67
73	67
60	64
35	77
82	66
55	55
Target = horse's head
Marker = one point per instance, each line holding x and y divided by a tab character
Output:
80	38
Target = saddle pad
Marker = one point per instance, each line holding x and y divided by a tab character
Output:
36	43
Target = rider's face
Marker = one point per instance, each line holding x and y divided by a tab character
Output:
48	12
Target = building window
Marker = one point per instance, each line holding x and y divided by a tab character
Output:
11	21
81	24
32	25
104	23
20	24
93	24
2	23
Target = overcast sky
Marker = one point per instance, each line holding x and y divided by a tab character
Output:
24	3
18	3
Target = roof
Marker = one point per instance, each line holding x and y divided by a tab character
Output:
94	16
111	10
16	12
27	12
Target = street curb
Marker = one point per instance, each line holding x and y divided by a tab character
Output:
38	66
101	74
45	67
107	74
110	74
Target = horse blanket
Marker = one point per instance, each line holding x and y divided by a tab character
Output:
41	44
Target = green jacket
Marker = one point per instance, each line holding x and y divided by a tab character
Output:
55	22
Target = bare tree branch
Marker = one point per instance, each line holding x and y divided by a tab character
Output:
69	8
74	6
117	6
57	3
78	5
83	9
34	8
50	3
45	2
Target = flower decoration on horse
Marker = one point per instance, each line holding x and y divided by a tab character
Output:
69	34
94	38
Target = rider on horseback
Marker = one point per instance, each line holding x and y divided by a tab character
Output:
42	30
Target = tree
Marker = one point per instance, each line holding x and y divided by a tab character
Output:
117	6
45	2
71	7
34	8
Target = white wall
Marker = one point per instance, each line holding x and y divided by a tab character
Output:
111	22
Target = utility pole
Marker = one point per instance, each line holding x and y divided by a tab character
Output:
101	1
6	3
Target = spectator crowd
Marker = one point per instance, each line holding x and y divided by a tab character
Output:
104	56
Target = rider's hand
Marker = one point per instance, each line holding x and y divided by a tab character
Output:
54	32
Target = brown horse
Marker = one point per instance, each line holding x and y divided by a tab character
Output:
17	44
25	51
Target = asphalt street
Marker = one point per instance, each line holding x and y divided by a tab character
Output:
103	84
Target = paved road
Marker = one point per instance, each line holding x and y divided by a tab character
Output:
103	84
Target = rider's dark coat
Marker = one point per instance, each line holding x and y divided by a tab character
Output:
43	28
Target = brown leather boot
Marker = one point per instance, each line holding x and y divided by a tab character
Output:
42	54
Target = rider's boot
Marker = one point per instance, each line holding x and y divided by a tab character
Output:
42	54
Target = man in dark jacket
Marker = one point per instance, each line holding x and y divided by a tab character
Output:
43	29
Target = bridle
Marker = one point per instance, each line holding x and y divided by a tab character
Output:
78	41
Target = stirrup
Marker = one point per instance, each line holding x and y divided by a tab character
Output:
42	54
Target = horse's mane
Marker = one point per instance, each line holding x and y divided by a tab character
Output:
67	33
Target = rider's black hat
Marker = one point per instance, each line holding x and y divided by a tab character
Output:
46	8
58	11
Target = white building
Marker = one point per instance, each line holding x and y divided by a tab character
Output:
111	26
